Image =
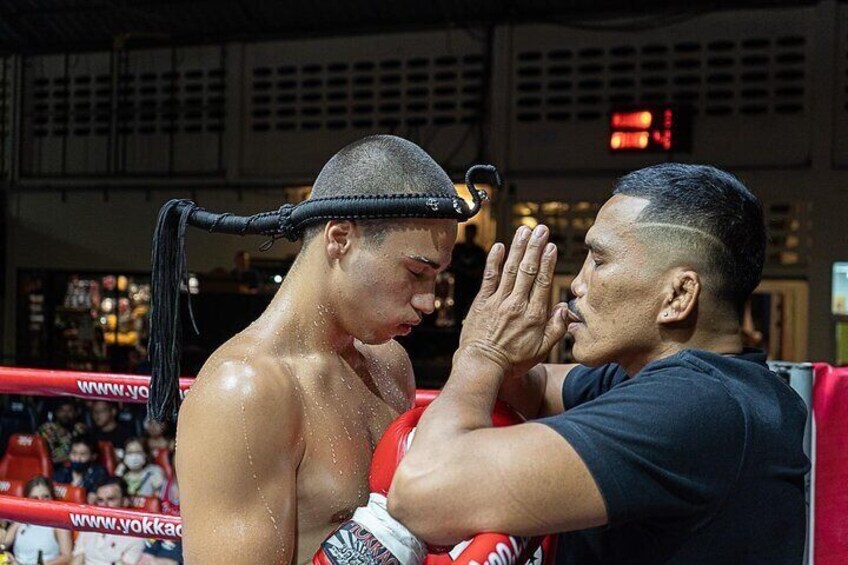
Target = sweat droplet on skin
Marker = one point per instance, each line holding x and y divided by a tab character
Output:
255	478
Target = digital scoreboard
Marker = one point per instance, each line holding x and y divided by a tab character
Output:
650	129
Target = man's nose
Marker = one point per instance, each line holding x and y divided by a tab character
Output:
425	303
578	287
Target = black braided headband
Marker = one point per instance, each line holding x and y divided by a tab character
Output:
170	270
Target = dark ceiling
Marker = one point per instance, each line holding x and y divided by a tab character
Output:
76	25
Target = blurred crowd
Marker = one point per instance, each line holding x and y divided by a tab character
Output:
105	454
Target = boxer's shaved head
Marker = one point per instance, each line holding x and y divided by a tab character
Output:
703	216
379	164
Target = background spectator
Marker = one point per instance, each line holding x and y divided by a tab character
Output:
158	436
27	541
94	548
170	494
143	477
249	279
158	552
63	427
104	417
82	470
467	264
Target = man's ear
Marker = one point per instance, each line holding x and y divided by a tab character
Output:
682	297
338	235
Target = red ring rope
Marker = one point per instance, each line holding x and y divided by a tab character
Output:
90	386
87	518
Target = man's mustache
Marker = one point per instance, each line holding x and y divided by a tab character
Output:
574	311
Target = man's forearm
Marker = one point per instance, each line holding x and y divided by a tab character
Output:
526	395
465	403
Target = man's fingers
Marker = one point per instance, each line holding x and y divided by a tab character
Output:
529	268
513	260
555	329
540	295
492	271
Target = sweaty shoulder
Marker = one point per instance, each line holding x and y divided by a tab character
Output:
245	392
391	370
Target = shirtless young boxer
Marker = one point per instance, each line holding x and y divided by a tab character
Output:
275	439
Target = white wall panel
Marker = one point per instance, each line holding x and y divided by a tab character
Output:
87	140
197	142
744	74
44	121
145	96
305	100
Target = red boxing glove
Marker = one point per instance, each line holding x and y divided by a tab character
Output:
372	536
391	448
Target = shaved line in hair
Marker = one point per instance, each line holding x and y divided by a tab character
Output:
694	231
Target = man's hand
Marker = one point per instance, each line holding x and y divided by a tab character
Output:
510	322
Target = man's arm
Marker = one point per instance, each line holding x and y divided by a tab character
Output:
538	393
239	444
78	556
66	547
461	476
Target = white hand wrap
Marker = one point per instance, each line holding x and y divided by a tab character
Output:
403	544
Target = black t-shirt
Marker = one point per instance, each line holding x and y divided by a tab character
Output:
91	478
164	549
698	457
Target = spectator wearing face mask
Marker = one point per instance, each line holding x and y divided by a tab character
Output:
81	470
143	478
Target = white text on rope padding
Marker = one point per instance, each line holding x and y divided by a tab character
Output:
504	554
144	526
116	390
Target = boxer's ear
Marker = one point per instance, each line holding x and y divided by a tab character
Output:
338	235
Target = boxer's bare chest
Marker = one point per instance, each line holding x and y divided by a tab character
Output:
344	419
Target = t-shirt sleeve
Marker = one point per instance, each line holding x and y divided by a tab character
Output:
662	444
586	383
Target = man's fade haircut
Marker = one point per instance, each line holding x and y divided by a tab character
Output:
379	164
721	220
